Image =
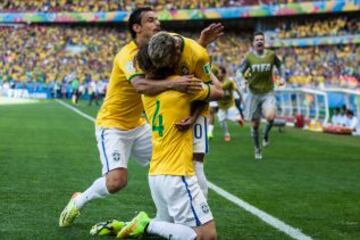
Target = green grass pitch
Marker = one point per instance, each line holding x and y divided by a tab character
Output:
310	181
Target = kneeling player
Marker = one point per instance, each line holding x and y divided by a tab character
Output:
182	209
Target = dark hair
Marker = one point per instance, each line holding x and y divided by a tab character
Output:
222	69
143	60
349	112
135	18
257	34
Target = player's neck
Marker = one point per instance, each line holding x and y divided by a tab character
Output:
260	52
139	41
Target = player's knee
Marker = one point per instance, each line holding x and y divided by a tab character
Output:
115	181
115	184
199	157
255	125
209	234
270	117
206	232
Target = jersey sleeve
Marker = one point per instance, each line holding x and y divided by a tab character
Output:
203	67
202	95
126	63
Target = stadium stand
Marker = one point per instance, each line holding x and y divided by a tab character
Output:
126	5
310	28
33	53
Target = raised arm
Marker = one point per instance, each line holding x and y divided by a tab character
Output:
281	70
210	34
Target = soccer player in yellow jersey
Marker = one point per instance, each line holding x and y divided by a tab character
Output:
120	129
227	109
182	209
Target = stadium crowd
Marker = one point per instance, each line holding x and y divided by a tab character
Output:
61	53
126	5
310	28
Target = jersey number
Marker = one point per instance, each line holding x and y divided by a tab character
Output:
198	131
160	127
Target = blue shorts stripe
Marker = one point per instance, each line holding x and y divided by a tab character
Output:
104	151
198	223
206	136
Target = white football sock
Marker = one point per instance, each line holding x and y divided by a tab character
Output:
225	128
200	174
97	190
171	231
210	129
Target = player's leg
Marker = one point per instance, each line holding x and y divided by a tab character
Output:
222	116
253	114
200	148
114	150
238	107
142	147
234	115
188	206
163	225
212	112
268	110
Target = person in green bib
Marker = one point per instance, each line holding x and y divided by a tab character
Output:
260	102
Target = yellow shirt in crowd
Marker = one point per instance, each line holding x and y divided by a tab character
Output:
172	149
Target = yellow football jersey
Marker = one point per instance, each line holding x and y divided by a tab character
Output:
122	107
172	149
228	100
194	60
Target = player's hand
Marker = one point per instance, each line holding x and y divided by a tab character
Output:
187	84
185	124
211	34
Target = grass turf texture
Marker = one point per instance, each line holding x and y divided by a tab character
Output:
308	180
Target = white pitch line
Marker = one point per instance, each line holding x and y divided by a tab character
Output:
272	221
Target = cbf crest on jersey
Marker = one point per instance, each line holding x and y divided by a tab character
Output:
207	69
116	155
130	67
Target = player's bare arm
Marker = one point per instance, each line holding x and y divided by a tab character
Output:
216	92
187	84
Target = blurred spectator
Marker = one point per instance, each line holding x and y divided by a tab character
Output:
351	121
309	28
335	119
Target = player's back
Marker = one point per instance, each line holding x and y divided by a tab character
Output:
172	149
122	107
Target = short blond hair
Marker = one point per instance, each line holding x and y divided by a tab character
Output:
162	49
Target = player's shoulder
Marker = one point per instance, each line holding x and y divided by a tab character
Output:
127	50
193	45
270	52
249	54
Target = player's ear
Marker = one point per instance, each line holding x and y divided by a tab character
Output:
136	28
